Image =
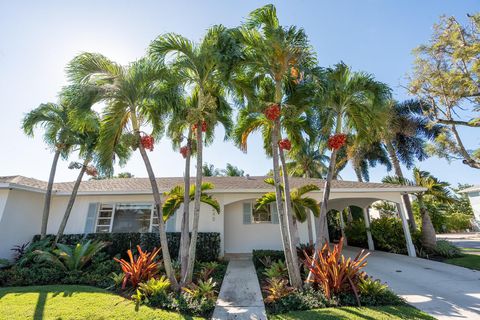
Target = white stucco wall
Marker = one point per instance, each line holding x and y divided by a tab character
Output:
475	202
21	219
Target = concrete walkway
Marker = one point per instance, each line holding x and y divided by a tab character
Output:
240	296
442	290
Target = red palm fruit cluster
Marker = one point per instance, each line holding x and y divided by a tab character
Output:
273	112
147	142
285	144
184	151
204	126
91	171
337	141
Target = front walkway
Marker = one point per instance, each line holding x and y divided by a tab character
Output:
442	290
240	296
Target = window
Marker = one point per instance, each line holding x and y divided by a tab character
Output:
261	215
105	215
474	194
132	217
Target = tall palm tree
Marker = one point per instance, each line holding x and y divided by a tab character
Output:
252	119
176	197
302	205
209	170
199	66
436	191
350	103
232	171
308	160
136	95
58	136
280	54
406	132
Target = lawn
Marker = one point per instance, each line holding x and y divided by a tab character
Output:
370	313
73	302
471	261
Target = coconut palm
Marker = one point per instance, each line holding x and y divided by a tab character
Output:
436	190
176	196
280	54
200	67
136	95
350	103
302	205
58	135
232	171
406	132
209	170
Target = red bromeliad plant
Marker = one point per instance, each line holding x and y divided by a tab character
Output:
140	268
184	151
147	142
273	112
337	141
333	272
285	144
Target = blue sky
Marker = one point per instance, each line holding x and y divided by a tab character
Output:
38	38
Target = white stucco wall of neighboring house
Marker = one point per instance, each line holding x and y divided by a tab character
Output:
3	201
21	218
475	202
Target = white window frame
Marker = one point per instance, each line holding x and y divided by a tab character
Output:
114	209
260	222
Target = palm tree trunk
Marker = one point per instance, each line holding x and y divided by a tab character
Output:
309	221
320	223
71	201
196	207
185	231
291	222
399	173
429	239
48	195
167	261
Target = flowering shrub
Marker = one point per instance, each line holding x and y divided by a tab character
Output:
337	141
273	112
147	142
140	268
285	144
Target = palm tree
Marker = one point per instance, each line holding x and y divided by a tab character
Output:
301	205
232	171
135	95
209	170
280	54
58	136
199	66
407	131
176	196
350	103
436	190
308	160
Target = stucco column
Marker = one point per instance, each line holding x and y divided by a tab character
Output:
342	228
406	230
366	217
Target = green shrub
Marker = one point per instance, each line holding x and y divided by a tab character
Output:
277	269
208	244
299	300
374	293
387	234
458	221
447	249
260	255
356	234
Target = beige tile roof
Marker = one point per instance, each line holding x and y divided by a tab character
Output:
227	184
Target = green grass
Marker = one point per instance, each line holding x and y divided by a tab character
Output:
471	261
73	302
353	313
470	249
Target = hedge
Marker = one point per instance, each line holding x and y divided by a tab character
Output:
208	243
258	255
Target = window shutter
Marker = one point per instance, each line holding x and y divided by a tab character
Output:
91	218
171	223
274	213
247	213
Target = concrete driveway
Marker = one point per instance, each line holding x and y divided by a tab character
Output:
444	291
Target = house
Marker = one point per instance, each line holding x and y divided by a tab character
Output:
473	194
125	205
